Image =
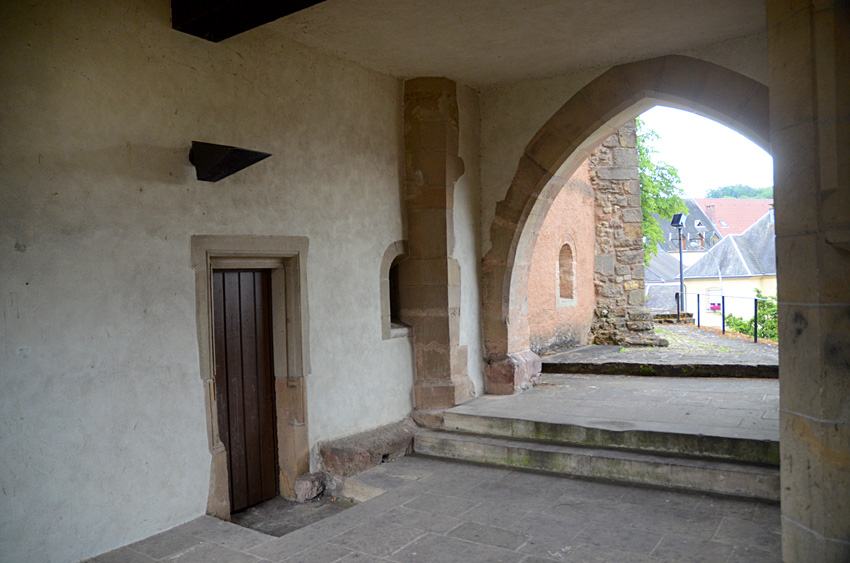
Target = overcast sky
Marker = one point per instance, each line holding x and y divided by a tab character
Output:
707	154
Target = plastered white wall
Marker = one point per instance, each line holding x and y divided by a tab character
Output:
512	114
467	233
102	425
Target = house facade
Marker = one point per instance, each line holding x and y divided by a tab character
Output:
698	235
438	133
734	268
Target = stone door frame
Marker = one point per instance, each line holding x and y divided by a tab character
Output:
286	258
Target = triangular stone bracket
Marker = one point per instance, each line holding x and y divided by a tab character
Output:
214	162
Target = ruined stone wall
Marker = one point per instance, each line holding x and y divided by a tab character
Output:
620	316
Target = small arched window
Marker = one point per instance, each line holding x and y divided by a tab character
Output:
395	308
391	324
566	276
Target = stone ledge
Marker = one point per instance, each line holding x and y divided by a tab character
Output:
432	419
354	454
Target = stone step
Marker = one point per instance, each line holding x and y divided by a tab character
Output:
736	479
659	369
723	445
670	318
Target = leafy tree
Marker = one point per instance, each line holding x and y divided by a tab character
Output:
660	192
768	319
739	191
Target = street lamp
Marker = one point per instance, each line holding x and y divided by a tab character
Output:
679	222
702	228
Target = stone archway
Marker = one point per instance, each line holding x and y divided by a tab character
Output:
555	152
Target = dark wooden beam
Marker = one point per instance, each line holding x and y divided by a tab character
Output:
215	20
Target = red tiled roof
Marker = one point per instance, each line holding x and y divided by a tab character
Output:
734	216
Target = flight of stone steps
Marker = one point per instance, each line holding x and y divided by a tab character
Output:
727	465
671	318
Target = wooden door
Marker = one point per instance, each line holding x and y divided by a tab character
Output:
244	383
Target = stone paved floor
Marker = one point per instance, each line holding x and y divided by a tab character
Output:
691	339
279	516
441	511
733	408
688	345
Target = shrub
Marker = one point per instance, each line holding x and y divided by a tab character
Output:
767	319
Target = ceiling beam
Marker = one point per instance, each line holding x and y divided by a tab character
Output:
215	20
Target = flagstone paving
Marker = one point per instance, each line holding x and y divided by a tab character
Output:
702	352
733	408
442	511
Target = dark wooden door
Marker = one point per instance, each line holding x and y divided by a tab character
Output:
244	383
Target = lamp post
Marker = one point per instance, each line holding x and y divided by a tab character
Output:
679	222
702	228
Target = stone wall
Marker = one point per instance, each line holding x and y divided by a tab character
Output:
620	316
466	218
598	213
555	322
99	355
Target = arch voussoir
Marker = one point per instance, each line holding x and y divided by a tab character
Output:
682	79
640	77
753	120
727	92
608	98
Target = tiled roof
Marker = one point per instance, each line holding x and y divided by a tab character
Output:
752	253
661	268
734	216
691	233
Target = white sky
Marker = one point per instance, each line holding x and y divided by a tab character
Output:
707	154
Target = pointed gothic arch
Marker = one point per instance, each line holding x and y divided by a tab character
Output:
564	141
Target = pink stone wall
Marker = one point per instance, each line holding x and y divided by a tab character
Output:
571	218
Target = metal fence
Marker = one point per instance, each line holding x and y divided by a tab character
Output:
719	306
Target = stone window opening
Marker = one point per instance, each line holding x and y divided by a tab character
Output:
566	278
391	324
395	307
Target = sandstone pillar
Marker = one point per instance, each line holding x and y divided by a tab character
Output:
429	279
809	56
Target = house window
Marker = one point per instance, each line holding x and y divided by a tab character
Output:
714	300
566	277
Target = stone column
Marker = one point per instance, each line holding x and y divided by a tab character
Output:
429	279
809	57
620	316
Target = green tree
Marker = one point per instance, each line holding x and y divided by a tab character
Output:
739	191
768	319
660	192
